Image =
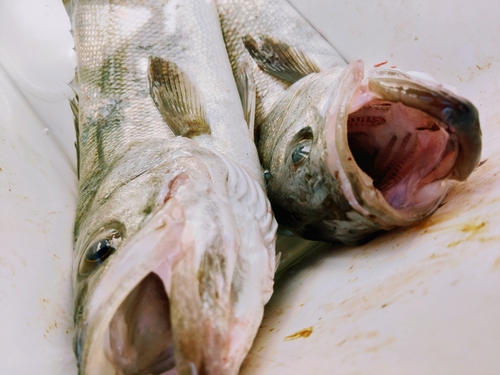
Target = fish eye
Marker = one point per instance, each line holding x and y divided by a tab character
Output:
99	250
301	152
267	175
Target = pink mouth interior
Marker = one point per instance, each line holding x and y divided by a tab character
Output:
403	149
140	332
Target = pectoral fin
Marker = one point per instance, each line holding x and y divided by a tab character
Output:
279	59
177	98
248	91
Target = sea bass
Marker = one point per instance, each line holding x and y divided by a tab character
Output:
174	236
346	152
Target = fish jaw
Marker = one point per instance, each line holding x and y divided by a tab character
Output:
423	138
208	257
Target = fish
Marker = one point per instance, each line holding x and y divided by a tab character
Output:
347	152
174	237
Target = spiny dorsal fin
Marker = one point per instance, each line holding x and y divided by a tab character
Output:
69	6
279	59
73	103
248	92
177	99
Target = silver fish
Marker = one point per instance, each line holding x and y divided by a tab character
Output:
346	153
174	236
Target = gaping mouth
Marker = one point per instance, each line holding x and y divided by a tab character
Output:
140	333
407	138
402	149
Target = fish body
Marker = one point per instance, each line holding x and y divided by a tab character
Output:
174	236
346	152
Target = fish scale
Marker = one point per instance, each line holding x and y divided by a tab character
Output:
102	59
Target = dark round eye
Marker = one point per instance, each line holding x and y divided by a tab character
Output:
99	251
267	175
301	151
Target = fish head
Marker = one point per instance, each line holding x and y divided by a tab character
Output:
350	153
173	268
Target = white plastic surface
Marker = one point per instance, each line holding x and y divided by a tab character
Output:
36	52
423	300
37	190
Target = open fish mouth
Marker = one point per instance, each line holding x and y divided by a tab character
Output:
401	148
140	332
404	139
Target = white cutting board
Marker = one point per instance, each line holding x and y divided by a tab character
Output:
424	300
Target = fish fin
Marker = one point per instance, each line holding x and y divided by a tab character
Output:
248	93
177	98
75	86
277	262
279	59
74	105
69	6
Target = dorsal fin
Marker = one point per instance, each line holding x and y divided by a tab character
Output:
177	98
69	6
74	105
279	59
248	93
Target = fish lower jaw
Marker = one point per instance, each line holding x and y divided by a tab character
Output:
407	153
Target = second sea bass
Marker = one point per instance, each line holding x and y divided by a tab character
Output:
174	236
346	153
